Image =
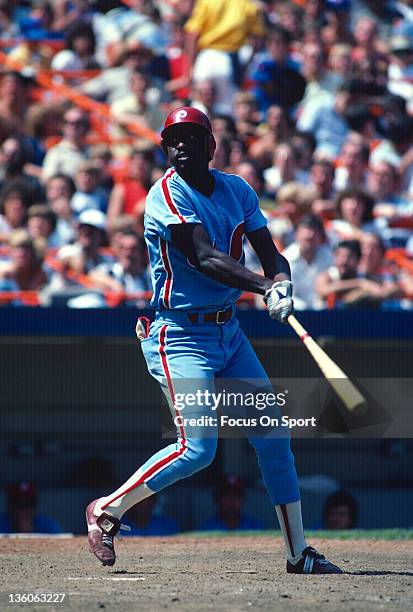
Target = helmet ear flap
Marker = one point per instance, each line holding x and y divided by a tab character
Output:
212	145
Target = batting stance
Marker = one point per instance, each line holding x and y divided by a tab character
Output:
195	221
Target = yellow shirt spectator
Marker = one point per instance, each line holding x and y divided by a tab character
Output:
224	24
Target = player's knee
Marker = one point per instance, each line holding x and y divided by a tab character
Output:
200	454
272	449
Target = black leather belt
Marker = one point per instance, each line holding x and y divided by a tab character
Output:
219	316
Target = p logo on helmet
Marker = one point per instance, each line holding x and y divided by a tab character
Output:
188	114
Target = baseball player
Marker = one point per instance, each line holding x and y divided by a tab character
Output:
195	220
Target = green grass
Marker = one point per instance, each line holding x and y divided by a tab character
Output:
355	534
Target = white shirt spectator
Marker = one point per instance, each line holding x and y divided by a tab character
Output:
63	158
303	275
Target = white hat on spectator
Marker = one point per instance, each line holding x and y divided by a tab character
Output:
93	217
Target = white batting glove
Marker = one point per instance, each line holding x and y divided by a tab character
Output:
279	301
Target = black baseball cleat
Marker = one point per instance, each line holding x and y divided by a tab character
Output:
313	563
101	531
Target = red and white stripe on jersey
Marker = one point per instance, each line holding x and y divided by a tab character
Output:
235	244
166	262
183	447
168	197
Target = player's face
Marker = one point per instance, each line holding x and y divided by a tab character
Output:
187	147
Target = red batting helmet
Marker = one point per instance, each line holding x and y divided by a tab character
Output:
188	114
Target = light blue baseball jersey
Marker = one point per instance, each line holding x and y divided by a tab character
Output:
230	212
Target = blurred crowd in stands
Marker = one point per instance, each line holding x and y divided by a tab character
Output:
311	102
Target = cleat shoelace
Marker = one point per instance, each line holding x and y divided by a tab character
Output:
107	540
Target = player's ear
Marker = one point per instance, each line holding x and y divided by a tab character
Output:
163	146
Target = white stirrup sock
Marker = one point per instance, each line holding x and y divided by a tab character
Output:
291	523
119	503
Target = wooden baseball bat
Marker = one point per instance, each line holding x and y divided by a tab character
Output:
342	385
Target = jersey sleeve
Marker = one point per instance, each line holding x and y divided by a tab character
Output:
253	217
167	205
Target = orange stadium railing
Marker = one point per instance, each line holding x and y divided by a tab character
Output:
99	110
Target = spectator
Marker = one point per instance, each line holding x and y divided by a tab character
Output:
102	157
397	148
322	181
341	285
337	27
215	33
290	17
352	163
59	186
178	60
59	191
128	197
400	72
277	79
292	203
21	515
80	49
72	150
246	114
41	225
114	83
13	100
84	255
383	184
269	136
14	156
127	274
335	286
229	498
24	271
141	106
14	202
304	145
8	28
42	125
144	521
372	267
88	194
238	154
355	215
66	13
138	23
366	55
250	173
320	82
284	169
340	511
204	97
308	256
360	119
340	62
326	121
37	23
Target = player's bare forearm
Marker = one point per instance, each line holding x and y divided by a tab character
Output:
224	269
274	264
193	241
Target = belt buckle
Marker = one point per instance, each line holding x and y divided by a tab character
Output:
217	318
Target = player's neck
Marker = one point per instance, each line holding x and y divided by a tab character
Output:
202	180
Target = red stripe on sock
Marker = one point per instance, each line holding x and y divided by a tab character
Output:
287	528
